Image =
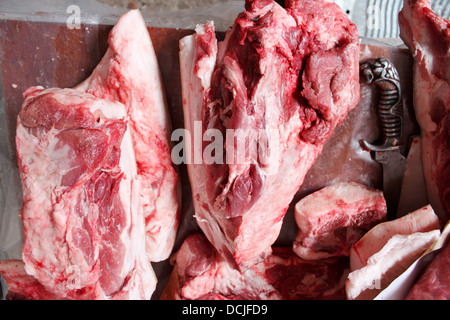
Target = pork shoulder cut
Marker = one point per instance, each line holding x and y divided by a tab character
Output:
274	89
332	219
82	221
100	193
428	37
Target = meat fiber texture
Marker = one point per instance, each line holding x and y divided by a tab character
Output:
82	222
428	37
129	73
201	273
421	220
280	81
387	264
434	283
334	218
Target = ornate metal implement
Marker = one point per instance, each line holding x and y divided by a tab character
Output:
382	74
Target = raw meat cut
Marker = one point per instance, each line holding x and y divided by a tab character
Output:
428	37
421	220
386	265
129	73
84	235
269	95
22	286
434	283
332	219
200	272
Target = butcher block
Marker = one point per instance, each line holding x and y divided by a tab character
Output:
50	54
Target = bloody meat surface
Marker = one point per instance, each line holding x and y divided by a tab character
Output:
428	37
434	283
202	273
129	73
100	194
284	78
334	218
83	227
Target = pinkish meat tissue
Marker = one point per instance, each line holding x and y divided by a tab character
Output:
100	193
285	78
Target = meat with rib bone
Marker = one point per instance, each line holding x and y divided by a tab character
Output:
428	37
332	219
200	272
281	81
82	221
129	73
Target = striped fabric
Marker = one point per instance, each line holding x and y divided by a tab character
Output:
384	15
379	18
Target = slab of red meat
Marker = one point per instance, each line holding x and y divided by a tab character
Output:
83	226
284	78
129	73
428	37
332	219
202	273
434	283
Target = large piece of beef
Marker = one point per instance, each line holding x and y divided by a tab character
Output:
281	81
129	73
428	37
84	235
200	272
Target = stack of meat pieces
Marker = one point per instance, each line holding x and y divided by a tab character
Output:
288	77
284	78
202	273
100	195
387	250
318	271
